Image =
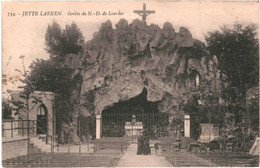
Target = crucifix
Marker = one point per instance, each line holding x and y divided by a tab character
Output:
144	13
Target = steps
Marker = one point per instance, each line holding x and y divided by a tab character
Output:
231	159
34	149
64	160
39	143
254	150
186	159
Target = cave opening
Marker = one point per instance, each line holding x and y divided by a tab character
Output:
115	117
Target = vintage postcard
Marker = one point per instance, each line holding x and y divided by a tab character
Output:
130	84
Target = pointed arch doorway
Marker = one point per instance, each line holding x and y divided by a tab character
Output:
42	115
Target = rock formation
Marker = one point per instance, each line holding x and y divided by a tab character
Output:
118	63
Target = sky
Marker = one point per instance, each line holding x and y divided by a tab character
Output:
24	35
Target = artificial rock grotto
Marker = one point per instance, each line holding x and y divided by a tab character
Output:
117	64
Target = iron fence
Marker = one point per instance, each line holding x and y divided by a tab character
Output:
15	128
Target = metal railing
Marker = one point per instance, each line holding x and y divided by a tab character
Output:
13	128
16	128
47	134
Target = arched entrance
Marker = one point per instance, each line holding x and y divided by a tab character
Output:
42	115
115	117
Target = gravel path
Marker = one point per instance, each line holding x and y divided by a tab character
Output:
131	159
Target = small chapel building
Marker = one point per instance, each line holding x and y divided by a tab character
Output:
40	115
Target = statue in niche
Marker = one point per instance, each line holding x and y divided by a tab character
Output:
197	80
117	74
107	80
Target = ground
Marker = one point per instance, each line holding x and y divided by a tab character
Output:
111	153
131	159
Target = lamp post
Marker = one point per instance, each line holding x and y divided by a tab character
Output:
209	127
133	121
132	132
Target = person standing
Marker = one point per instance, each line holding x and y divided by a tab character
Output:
140	146
146	144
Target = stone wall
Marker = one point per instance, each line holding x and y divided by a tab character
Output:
14	148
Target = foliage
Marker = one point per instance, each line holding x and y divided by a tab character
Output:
113	130
237	51
45	75
6	110
87	127
238	54
89	99
53	39
28	88
253	114
50	75
61	42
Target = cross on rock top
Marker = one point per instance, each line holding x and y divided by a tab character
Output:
144	13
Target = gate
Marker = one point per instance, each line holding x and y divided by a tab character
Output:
155	124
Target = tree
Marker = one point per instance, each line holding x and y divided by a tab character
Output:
23	104
237	51
45	75
253	108
53	39
238	54
51	75
72	37
61	42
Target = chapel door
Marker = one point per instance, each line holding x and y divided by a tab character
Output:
42	120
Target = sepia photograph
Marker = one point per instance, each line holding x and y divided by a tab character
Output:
130	84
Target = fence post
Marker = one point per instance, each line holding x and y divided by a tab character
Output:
69	145
51	146
33	127
12	128
28	135
58	147
121	147
47	136
3	130
22	129
79	136
69	149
